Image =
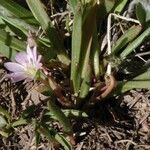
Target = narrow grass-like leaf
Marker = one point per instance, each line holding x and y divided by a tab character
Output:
59	115
63	141
143	11
140	13
76	48
127	37
53	136
37	139
18	11
86	49
3	122
143	76
135	43
86	83
3	133
109	4
95	55
19	122
49	134
73	4
4	113
19	24
12	42
126	86
39	13
120	6
7	51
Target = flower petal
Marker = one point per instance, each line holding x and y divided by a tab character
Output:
38	64
15	77
34	52
14	67
21	58
29	53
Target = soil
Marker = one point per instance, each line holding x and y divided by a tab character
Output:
121	123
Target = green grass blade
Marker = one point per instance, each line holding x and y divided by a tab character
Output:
95	53
59	115
4	134
39	13
76	49
127	37
20	122
49	134
87	49
63	141
73	4
135	43
126	86
7	51
86	83
120	6
5	113
12	42
3	122
140	13
53	136
18	11
108	4
19	24
143	76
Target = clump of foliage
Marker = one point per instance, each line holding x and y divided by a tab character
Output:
92	60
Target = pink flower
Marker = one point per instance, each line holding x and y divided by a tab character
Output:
27	65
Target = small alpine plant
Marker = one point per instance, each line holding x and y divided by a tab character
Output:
26	67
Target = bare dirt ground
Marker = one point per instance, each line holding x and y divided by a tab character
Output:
121	123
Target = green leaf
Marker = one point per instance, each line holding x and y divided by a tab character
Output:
128	85
76	49
109	4
5	134
140	13
49	134
120	6
53	136
5	113
143	11
12	42
37	138
127	37
18	11
7	51
19	24
73	4
87	49
135	43
39	13
21	121
63	141
86	83
143	76
3	122
59	115
95	55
